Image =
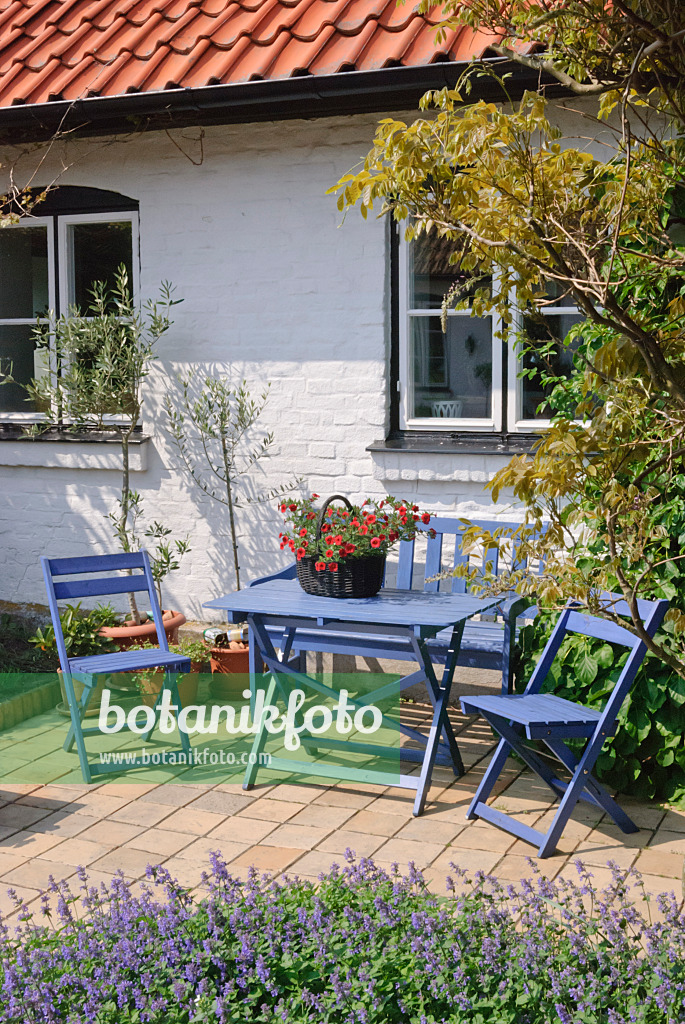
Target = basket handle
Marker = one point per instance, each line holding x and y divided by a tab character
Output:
324	507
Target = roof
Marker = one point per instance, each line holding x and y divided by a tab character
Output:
65	51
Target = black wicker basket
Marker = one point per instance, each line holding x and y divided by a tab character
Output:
354	577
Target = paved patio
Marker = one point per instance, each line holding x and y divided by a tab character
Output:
286	828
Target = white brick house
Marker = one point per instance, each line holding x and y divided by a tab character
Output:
274	289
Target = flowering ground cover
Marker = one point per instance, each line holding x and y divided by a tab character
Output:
364	946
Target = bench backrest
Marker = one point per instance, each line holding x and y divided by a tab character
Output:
445	551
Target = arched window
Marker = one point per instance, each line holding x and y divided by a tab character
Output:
49	261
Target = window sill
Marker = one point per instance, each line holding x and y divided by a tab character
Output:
445	457
65	450
447	443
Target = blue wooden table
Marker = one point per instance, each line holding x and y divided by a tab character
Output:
414	614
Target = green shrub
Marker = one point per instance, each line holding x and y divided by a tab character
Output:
81	631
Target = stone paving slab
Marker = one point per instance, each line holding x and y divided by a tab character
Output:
287	829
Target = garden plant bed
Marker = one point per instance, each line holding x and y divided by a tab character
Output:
361	945
23	695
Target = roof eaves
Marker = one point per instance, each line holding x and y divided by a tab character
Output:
300	96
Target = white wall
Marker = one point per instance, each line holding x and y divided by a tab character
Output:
274	289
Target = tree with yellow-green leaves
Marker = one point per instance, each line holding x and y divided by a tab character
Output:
601	224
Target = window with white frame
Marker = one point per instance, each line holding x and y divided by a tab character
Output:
49	263
458	380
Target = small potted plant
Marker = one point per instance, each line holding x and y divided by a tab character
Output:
211	425
103	356
341	552
150	683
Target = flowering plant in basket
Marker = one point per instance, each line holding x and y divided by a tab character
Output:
334	535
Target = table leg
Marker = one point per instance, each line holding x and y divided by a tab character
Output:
259	741
440	725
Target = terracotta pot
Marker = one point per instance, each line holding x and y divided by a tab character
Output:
230	671
126	636
187	683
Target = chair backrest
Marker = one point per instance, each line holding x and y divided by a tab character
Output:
572	621
445	551
54	569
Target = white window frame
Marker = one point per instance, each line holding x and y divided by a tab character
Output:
514	366
66	271
60	285
490	424
33	222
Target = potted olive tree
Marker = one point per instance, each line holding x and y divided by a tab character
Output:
211	424
94	382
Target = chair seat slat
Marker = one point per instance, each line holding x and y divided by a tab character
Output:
539	709
99	587
129	661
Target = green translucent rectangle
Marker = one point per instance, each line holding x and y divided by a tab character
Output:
327	723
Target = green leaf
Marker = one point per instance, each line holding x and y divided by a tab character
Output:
605	656
586	668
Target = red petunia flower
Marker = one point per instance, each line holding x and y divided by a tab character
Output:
283	508
370	519
354	522
425	518
325	528
337	539
333	566
311	515
349	548
293	508
329	553
319	566
303	531
363	530
375	542
315	495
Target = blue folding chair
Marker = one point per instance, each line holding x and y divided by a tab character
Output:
534	715
88	669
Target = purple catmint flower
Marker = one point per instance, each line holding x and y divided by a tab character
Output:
364	946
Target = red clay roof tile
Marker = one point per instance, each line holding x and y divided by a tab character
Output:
51	50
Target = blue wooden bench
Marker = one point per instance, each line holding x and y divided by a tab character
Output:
485	644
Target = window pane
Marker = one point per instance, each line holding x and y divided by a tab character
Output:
23	272
431	276
557	361
17	356
97	251
453	371
558	296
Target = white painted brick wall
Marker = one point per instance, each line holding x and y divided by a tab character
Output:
273	289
